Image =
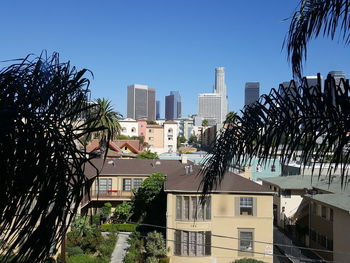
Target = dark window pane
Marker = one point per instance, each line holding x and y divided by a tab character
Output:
186	208
177	242
178	207
126	184
208	243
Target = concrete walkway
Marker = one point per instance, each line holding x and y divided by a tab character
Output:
121	247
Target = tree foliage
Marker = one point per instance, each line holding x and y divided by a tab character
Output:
43	109
155	247
292	118
205	123
149	202
104	115
193	139
147	155
314	18
123	211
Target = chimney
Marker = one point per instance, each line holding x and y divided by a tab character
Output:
183	159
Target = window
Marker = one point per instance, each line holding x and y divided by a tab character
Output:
123	129
149	130
104	184
246	206
126	184
170	130
137	182
286	193
331	214
273	168
190	208
170	138
190	243
324	212
313	208
150	138
246	243
133	129
259	168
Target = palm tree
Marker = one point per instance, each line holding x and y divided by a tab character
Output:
293	117
306	119
104	115
43	104
315	17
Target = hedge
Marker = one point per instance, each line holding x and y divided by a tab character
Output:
84	258
118	227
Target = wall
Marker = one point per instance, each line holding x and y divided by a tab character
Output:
170	137
224	222
341	237
157	143
129	127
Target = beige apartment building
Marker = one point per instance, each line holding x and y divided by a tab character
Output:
318	208
233	222
118	177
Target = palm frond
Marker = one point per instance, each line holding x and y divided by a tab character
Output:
288	119
315	17
43	109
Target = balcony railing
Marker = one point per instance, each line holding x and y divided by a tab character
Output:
109	194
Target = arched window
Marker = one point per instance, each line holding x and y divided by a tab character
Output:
133	129
123	129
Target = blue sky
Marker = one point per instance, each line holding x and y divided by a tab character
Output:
168	45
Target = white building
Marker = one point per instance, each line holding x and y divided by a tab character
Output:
214	106
129	127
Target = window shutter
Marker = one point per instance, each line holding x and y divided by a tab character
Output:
208	208
177	249
237	206
178	207
255	206
208	243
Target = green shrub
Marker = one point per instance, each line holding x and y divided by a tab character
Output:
84	258
108	245
96	219
248	260
72	251
118	227
134	253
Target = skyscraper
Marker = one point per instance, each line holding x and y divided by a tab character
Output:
157	110
141	102
173	106
251	93
214	106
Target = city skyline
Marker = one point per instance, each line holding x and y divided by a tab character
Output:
181	44
141	102
173	106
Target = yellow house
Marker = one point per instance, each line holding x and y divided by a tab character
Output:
118	177
235	221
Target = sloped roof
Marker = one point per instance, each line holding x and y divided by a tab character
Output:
115	145
177	179
231	183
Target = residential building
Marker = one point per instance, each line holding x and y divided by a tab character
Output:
157	110
118	177
129	127
117	148
225	227
318	208
162	138
185	126
141	102
251	93
214	106
173	106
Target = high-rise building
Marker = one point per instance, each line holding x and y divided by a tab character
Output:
141	102
214	106
173	106
251	94
157	110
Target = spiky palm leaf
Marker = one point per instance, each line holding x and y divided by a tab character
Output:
104	115
315	17
43	108
289	119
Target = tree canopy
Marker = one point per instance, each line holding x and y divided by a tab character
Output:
312	19
44	110
288	119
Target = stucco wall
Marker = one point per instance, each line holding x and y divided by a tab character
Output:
341	237
224	223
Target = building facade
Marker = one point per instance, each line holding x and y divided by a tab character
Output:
173	106
157	110
214	106
223	228
251	93
141	102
